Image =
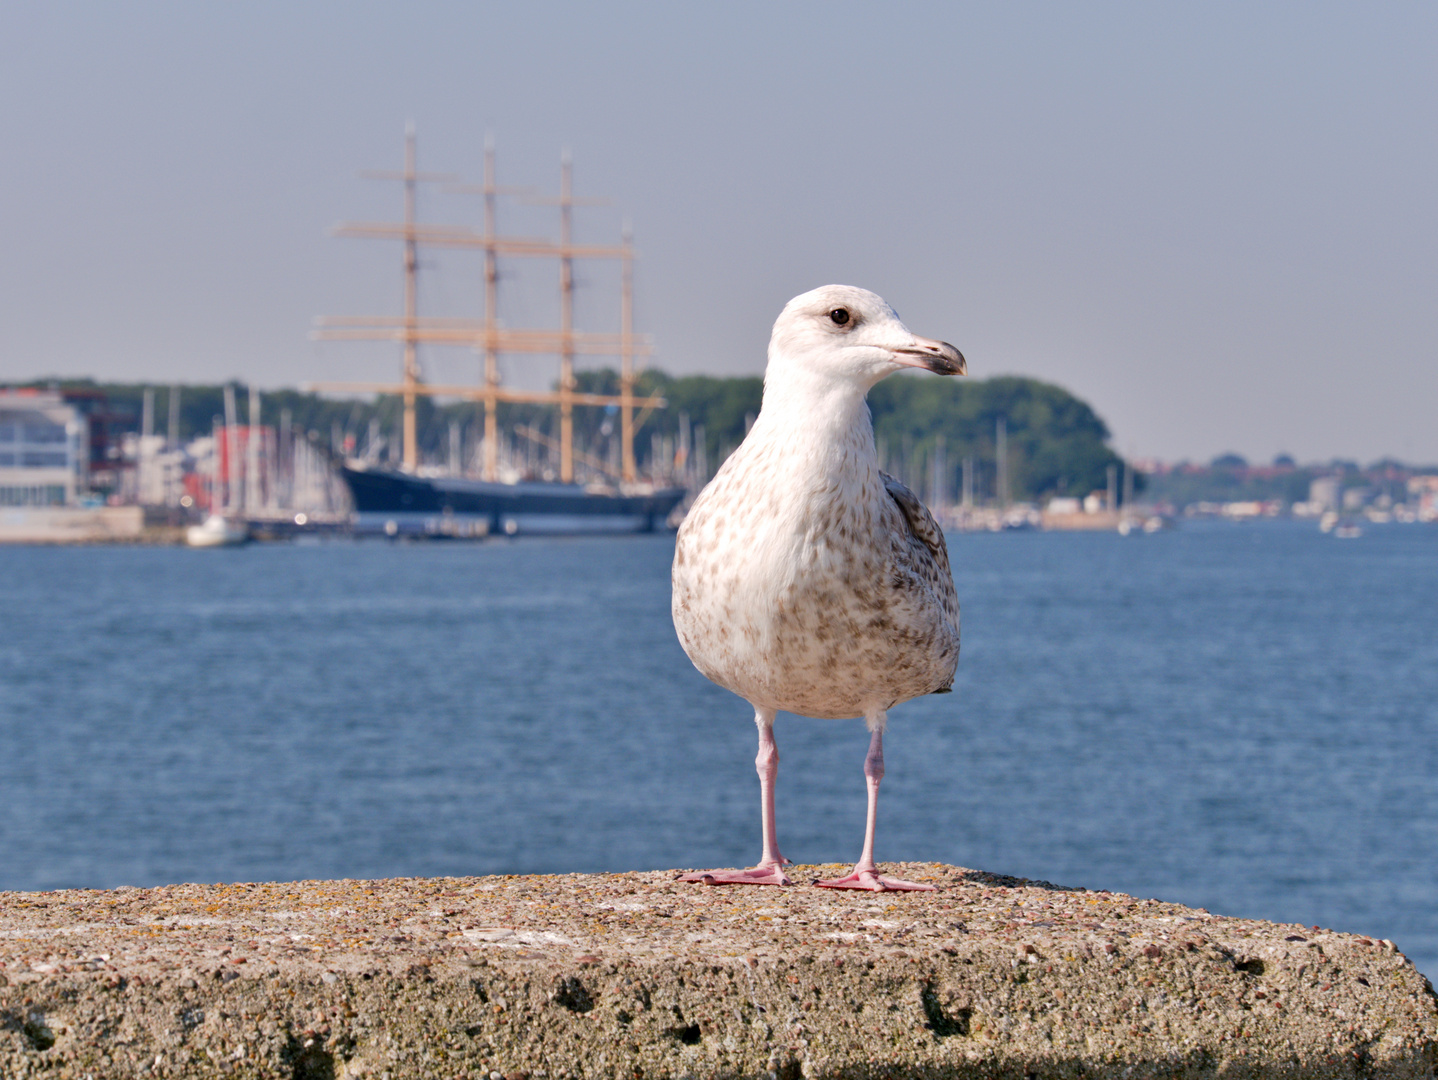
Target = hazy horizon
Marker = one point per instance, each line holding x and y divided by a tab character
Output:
1214	225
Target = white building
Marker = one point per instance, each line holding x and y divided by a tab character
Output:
44	448
1323	493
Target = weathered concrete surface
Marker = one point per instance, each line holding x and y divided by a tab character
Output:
638	976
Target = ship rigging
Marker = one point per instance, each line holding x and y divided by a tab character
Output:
470	505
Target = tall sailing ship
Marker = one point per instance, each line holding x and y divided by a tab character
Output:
409	500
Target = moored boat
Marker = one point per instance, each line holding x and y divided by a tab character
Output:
599	489
399	504
217	531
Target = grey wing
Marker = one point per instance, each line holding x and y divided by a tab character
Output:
921	523
928	561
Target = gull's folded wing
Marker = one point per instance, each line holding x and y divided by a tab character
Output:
921	522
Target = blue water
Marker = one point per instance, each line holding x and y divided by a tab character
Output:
1238	718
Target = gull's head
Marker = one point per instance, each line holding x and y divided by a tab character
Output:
843	334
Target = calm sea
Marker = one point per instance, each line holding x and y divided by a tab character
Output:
1238	718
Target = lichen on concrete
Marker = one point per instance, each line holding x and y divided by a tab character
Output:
639	976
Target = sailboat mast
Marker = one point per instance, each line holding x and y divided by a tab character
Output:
566	321
491	325
232	452
411	325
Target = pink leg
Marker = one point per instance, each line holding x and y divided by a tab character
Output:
865	874
770	870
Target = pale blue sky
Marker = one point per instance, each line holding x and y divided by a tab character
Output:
1215	222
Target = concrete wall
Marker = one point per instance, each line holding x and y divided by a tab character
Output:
639	976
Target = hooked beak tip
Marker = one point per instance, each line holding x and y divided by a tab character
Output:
937	356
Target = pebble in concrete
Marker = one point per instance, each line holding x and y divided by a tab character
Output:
637	976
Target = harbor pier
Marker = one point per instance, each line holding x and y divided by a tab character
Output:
638	975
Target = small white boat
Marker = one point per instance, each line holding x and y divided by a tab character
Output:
217	531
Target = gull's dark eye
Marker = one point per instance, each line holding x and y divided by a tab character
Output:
839	315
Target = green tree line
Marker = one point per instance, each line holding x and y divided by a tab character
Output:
1057	444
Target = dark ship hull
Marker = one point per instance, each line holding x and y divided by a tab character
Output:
398	504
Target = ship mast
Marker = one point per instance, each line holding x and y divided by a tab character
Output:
626	358
411	289
410	387
491	190
491	325
485	335
566	320
566	203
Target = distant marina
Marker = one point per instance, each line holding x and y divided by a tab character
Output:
75	469
257	481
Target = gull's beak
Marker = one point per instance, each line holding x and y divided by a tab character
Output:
937	356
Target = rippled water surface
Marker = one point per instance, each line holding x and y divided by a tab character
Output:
1238	718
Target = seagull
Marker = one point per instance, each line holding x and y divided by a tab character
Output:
806	580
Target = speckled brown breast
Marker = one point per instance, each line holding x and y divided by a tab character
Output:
824	602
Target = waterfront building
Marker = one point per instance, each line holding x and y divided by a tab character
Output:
44	449
1323	493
